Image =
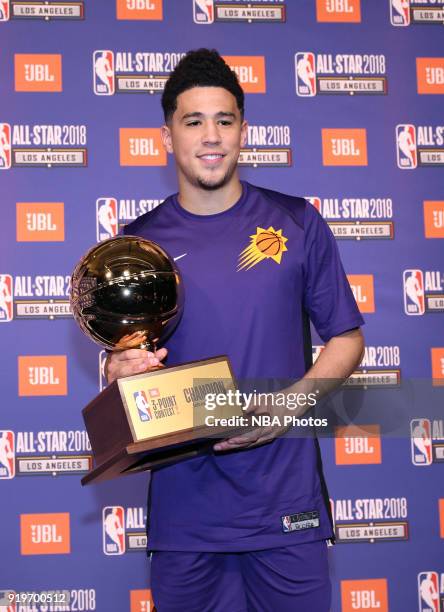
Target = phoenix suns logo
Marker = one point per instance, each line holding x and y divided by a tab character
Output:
265	244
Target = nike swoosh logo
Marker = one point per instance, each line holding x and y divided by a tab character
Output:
179	256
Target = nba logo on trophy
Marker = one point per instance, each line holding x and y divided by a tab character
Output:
203	11
414	300
6	298
143	406
103	71
106	218
421	441
400	12
305	70
113	530
7	455
406	147
428	592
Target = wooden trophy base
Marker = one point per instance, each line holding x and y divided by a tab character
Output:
147	421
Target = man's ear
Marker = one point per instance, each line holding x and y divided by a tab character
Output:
165	134
244	133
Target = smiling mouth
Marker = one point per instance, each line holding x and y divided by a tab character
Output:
211	156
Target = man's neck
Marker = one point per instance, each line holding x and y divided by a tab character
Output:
201	201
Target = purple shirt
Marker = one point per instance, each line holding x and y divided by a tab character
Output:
253	276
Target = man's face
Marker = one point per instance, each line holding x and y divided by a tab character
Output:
205	135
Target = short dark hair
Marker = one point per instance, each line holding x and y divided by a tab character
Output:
200	68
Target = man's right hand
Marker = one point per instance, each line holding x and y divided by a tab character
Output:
119	364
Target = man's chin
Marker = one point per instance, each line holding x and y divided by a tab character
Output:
212	184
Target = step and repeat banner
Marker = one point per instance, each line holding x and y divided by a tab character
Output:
345	106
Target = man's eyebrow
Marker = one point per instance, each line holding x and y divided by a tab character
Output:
197	115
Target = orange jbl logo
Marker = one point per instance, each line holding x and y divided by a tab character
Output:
363	290
364	595
430	75
441	517
358	445
141	147
438	366
250	70
45	534
141	601
37	72
139	9
42	375
344	147
434	218
348	11
40	222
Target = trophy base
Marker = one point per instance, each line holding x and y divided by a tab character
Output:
152	454
150	420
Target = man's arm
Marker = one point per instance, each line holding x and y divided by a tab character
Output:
341	355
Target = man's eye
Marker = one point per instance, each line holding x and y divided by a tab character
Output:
192	123
225	122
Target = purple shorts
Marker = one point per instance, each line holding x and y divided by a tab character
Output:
290	579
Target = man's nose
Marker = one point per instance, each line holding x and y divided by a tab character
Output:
211	134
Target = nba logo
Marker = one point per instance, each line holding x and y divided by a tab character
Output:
4	10
316	202
428	592
103	71
6	298
203	11
143	406
113	530
400	12
286	524
102	378
5	146
414	300
406	147
305	69
7	455
106	218
421	442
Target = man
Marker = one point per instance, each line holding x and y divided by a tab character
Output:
229	530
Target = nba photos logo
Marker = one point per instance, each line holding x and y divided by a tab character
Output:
103	73
113	530
414	300
106	218
406	147
400	12
203	11
421	442
5	146
6	298
428	592
7	455
305	70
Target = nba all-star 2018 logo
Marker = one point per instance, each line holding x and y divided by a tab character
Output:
264	244
49	146
423	291
421	145
267	145
113	214
357	218
34	297
123	530
406	12
46	10
132	72
47	453
206	12
427	441
325	73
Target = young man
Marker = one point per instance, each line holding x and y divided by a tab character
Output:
229	530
